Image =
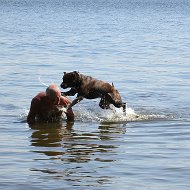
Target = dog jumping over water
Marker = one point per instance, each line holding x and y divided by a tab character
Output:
91	88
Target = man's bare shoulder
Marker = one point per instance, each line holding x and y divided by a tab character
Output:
65	100
40	95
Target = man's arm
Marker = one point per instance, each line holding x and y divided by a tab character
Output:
33	111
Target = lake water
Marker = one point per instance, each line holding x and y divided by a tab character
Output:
143	47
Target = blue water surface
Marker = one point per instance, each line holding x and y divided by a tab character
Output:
142	46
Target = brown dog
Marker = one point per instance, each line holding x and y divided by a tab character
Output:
91	88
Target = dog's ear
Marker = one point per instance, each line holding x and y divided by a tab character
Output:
76	74
112	84
64	73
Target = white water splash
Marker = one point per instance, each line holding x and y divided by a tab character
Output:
110	115
95	114
39	78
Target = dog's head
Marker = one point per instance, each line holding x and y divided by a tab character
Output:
70	79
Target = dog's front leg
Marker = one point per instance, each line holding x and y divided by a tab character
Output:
75	101
124	108
71	92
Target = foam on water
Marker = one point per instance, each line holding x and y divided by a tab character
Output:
115	115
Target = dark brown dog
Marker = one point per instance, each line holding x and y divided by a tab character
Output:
91	88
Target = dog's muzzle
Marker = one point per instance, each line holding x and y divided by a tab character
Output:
64	86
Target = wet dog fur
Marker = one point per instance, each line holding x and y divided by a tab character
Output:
91	88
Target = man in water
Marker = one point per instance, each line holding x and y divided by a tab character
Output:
48	106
